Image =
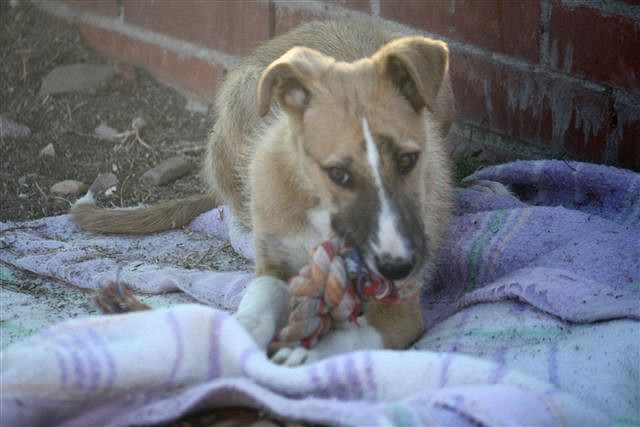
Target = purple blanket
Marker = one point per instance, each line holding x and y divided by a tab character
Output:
533	319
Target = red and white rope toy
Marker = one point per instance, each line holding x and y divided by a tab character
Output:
330	290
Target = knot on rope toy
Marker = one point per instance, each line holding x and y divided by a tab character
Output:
328	291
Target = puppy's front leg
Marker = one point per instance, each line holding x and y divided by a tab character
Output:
393	326
400	324
264	308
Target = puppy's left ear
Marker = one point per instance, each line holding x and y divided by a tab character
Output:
416	66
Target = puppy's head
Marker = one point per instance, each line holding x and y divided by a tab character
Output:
360	129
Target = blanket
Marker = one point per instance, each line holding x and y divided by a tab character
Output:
532	319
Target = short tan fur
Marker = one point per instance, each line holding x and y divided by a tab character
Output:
336	128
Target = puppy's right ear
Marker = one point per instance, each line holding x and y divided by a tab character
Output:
292	80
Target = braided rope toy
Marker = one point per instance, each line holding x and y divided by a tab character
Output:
330	290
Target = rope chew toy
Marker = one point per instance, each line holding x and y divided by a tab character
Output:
329	291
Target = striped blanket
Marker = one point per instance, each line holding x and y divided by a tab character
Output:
532	319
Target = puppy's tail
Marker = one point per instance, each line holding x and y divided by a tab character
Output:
163	216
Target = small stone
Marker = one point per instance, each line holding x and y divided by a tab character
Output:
138	123
167	171
104	182
196	106
75	77
48	151
11	129
68	187
104	131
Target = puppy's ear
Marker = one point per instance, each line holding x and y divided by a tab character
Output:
291	79
416	66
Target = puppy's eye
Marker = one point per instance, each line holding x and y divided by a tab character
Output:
339	176
406	162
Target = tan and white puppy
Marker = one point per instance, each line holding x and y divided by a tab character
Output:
335	129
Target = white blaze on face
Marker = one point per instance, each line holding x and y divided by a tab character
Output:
390	241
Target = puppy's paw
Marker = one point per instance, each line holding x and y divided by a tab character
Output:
264	308
293	356
115	297
261	328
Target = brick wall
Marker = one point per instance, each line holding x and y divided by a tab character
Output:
531	78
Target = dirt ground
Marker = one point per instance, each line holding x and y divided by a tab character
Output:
33	44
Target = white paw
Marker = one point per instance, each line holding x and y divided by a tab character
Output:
261	328
293	357
264	307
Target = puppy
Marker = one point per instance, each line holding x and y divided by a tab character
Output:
336	129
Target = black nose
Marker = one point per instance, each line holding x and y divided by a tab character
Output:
394	268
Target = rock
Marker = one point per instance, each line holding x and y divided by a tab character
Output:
74	77
167	171
48	151
196	106
104	182
11	129
68	187
104	131
138	123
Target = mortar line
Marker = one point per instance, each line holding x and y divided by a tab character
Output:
495	139
181	47
375	8
606	8
545	17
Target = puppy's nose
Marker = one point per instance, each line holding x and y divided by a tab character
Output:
394	268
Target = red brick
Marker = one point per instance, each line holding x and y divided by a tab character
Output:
101	7
230	26
287	18
510	27
626	132
529	106
187	74
603	48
